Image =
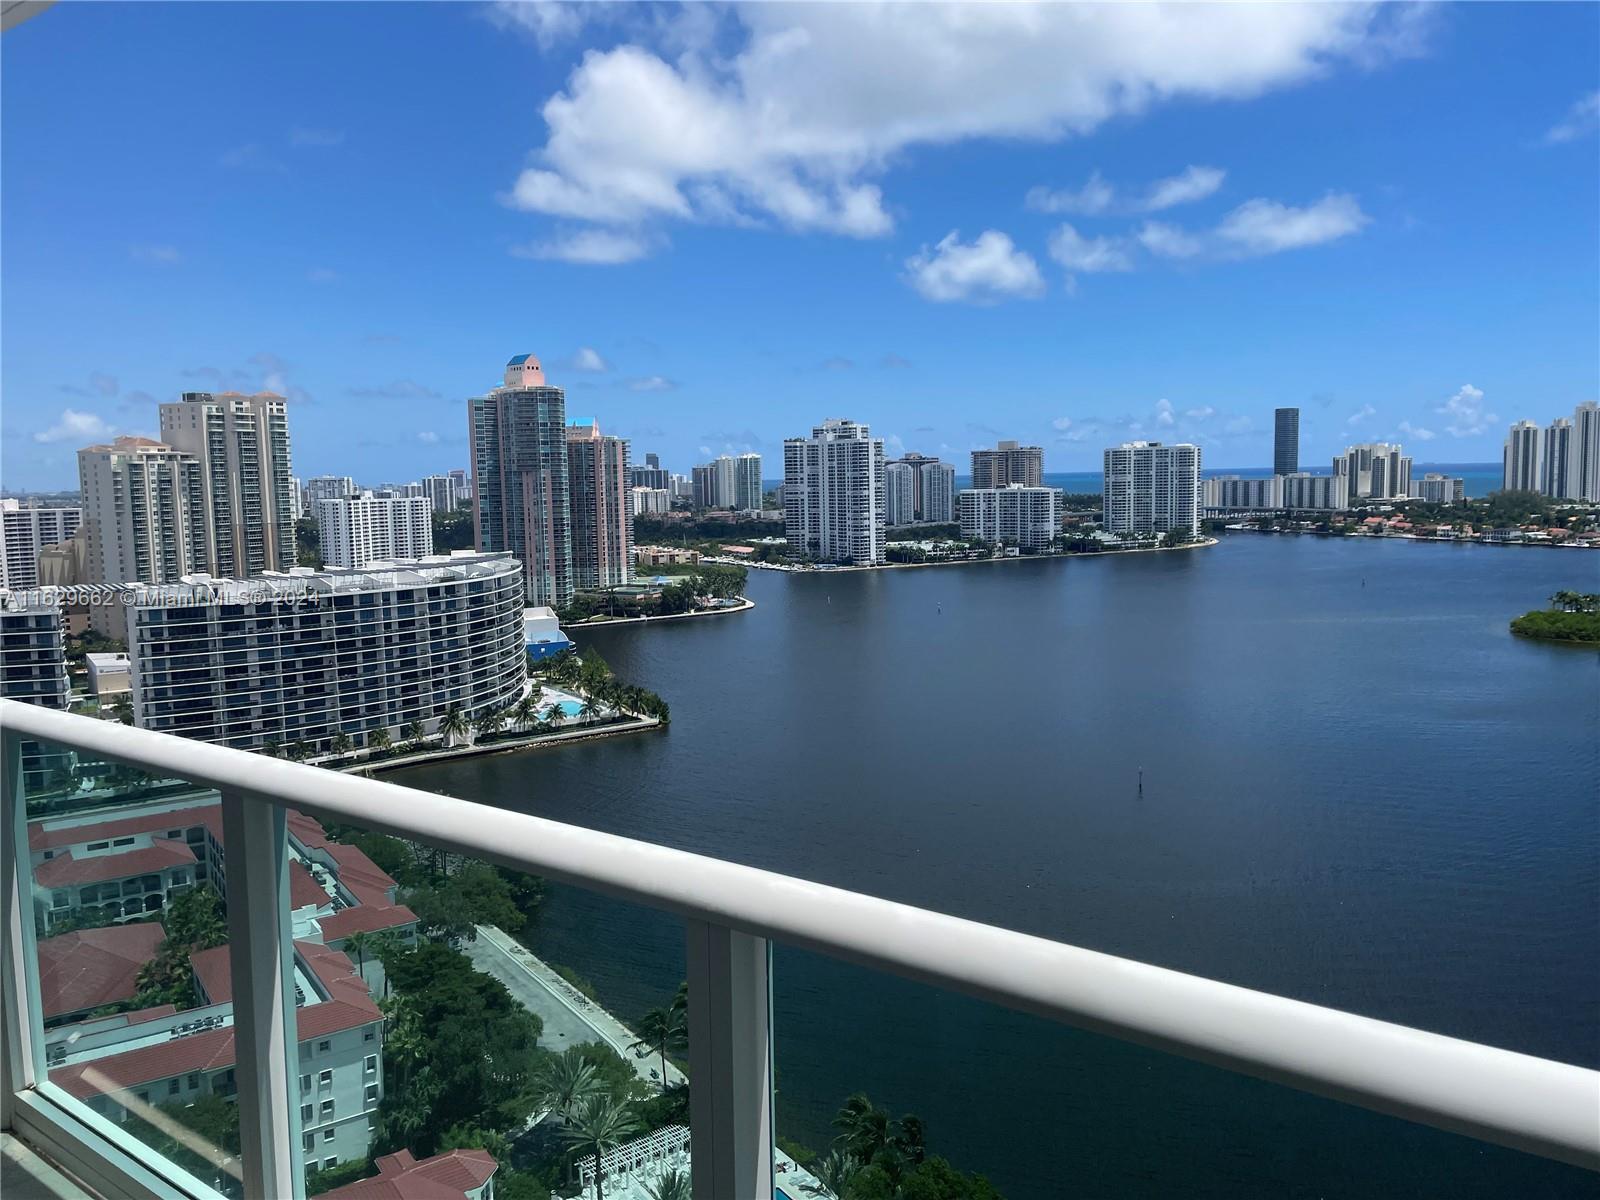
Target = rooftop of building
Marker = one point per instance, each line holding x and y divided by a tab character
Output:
68	870
295	583
448	1176
92	967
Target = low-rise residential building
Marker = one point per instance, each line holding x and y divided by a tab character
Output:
454	1175
1441	489
1016	515
306	656
542	633
1303	491
1236	492
665	556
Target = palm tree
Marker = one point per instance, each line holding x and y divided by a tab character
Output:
1564	600
554	715
525	712
672	1185
453	723
910	1139
413	732
863	1128
834	1173
357	944
379	739
298	750
592	709
341	743
662	1029
602	1122
567	1081
403	1038
488	721
271	748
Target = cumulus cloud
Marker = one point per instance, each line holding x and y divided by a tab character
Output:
1582	119
1061	424
593	247
588	359
428	437
1363	414
984	271
789	115
1078	253
1092	199
1465	413
1164	412
1416	432
651	383
1204	413
1098	196
1260	227
75	426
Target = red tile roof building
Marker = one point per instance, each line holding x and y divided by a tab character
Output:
456	1175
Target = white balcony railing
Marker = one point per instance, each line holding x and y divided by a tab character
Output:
731	913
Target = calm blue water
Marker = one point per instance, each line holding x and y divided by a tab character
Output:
1360	790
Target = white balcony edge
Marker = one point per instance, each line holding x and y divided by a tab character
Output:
1531	1104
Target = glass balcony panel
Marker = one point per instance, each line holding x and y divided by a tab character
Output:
514	1033
131	960
886	1087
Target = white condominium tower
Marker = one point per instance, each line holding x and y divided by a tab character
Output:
28	531
747	482
242	445
1152	488
1583	463
602	510
922	489
1524	459
326	487
899	493
333	651
1026	517
1373	471
937	504
520	497
1555	475
144	509
833	494
367	529
443	492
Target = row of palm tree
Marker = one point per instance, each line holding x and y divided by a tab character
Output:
1569	601
594	1119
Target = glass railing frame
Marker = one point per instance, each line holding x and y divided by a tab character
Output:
733	913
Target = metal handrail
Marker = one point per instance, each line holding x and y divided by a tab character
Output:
1532	1104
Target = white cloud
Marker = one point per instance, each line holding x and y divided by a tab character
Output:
1164	412
1266	227
1417	432
588	359
1363	414
651	383
1259	227
1078	253
595	247
1465	413
1204	413
1582	119
987	270
549	21
156	255
790	114
75	426
1168	241
1062	424
1093	198
427	437
1193	183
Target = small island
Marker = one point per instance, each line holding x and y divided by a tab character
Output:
1572	617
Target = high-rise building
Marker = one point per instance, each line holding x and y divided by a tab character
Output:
366	529
29	530
520	499
936	502
602	512
1303	490
1441	489
681	487
1235	492
1285	441
1373	471
899	493
144	508
376	649
1555	474
326	487
747	482
704	482
1523	458
463	484
297	502
1025	517
443	492
1583	463
833	494
33	669
650	475
242	445
1150	487
1008	463
649	501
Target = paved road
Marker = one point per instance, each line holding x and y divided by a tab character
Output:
569	1017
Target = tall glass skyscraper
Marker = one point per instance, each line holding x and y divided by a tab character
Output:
1285	441
520	487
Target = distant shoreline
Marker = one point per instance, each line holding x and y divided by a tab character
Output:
745	605
1200	544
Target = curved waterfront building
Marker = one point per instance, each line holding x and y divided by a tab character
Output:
304	655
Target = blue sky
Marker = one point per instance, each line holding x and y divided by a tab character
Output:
717	227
